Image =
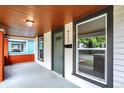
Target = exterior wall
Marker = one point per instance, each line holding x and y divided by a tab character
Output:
69	63
118	52
13	59
47	50
68	57
18	58
1	56
68	33
119	46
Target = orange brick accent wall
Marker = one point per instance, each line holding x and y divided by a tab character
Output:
1	56
6	50
21	58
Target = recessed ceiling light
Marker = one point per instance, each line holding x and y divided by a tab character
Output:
29	22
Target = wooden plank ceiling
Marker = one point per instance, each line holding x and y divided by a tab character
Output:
46	17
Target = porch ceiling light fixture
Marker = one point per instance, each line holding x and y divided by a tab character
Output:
29	22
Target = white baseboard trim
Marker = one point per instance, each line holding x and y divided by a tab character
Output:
42	64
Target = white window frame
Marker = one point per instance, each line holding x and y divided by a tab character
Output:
77	50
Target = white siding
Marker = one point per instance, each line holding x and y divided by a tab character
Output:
68	33
118	46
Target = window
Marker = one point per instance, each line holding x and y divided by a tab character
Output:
21	46
93	48
40	48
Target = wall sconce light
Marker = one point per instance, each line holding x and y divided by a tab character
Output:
29	22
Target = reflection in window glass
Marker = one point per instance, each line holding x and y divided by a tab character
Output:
91	49
20	46
91	61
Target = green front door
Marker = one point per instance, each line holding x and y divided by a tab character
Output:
58	52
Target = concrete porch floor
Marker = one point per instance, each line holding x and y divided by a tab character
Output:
32	75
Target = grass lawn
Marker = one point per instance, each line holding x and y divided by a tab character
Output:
87	63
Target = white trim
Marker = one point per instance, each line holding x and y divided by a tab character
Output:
2	30
57	74
91	48
106	49
39	62
92	19
104	81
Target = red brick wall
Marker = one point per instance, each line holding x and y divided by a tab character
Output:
1	56
21	58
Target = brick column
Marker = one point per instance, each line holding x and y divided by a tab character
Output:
6	57
1	54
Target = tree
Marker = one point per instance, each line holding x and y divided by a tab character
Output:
96	41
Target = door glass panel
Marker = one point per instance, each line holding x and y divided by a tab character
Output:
91	48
